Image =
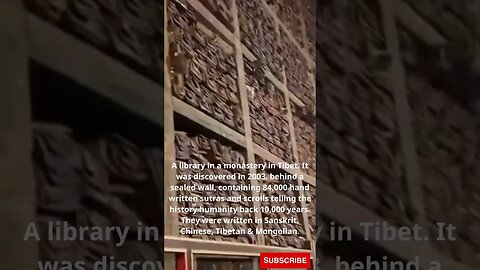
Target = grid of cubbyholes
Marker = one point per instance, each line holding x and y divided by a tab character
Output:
203	68
268	114
289	12
260	35
221	9
299	78
203	73
309	14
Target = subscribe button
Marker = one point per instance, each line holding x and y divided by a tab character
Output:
284	260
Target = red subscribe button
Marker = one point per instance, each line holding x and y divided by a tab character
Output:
284	260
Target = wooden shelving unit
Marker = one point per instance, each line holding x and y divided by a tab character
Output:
28	37
108	77
243	140
310	61
207	121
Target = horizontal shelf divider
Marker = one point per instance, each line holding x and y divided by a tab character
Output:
212	20
220	28
274	159
90	67
302	50
207	122
249	55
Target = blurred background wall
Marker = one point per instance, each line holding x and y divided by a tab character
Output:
397	122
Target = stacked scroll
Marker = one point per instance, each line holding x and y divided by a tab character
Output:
260	36
203	68
268	111
222	9
304	124
289	12
283	240
299	79
200	149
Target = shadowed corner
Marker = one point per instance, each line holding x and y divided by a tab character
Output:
104	173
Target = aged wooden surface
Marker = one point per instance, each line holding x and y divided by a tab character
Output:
202	57
259	90
201	149
17	187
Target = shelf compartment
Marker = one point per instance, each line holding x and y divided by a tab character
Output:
268	114
304	126
98	172
202	68
259	34
207	121
195	144
298	239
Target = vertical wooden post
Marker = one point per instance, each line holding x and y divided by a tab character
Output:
171	219
245	110
303	26
293	141
396	80
17	185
